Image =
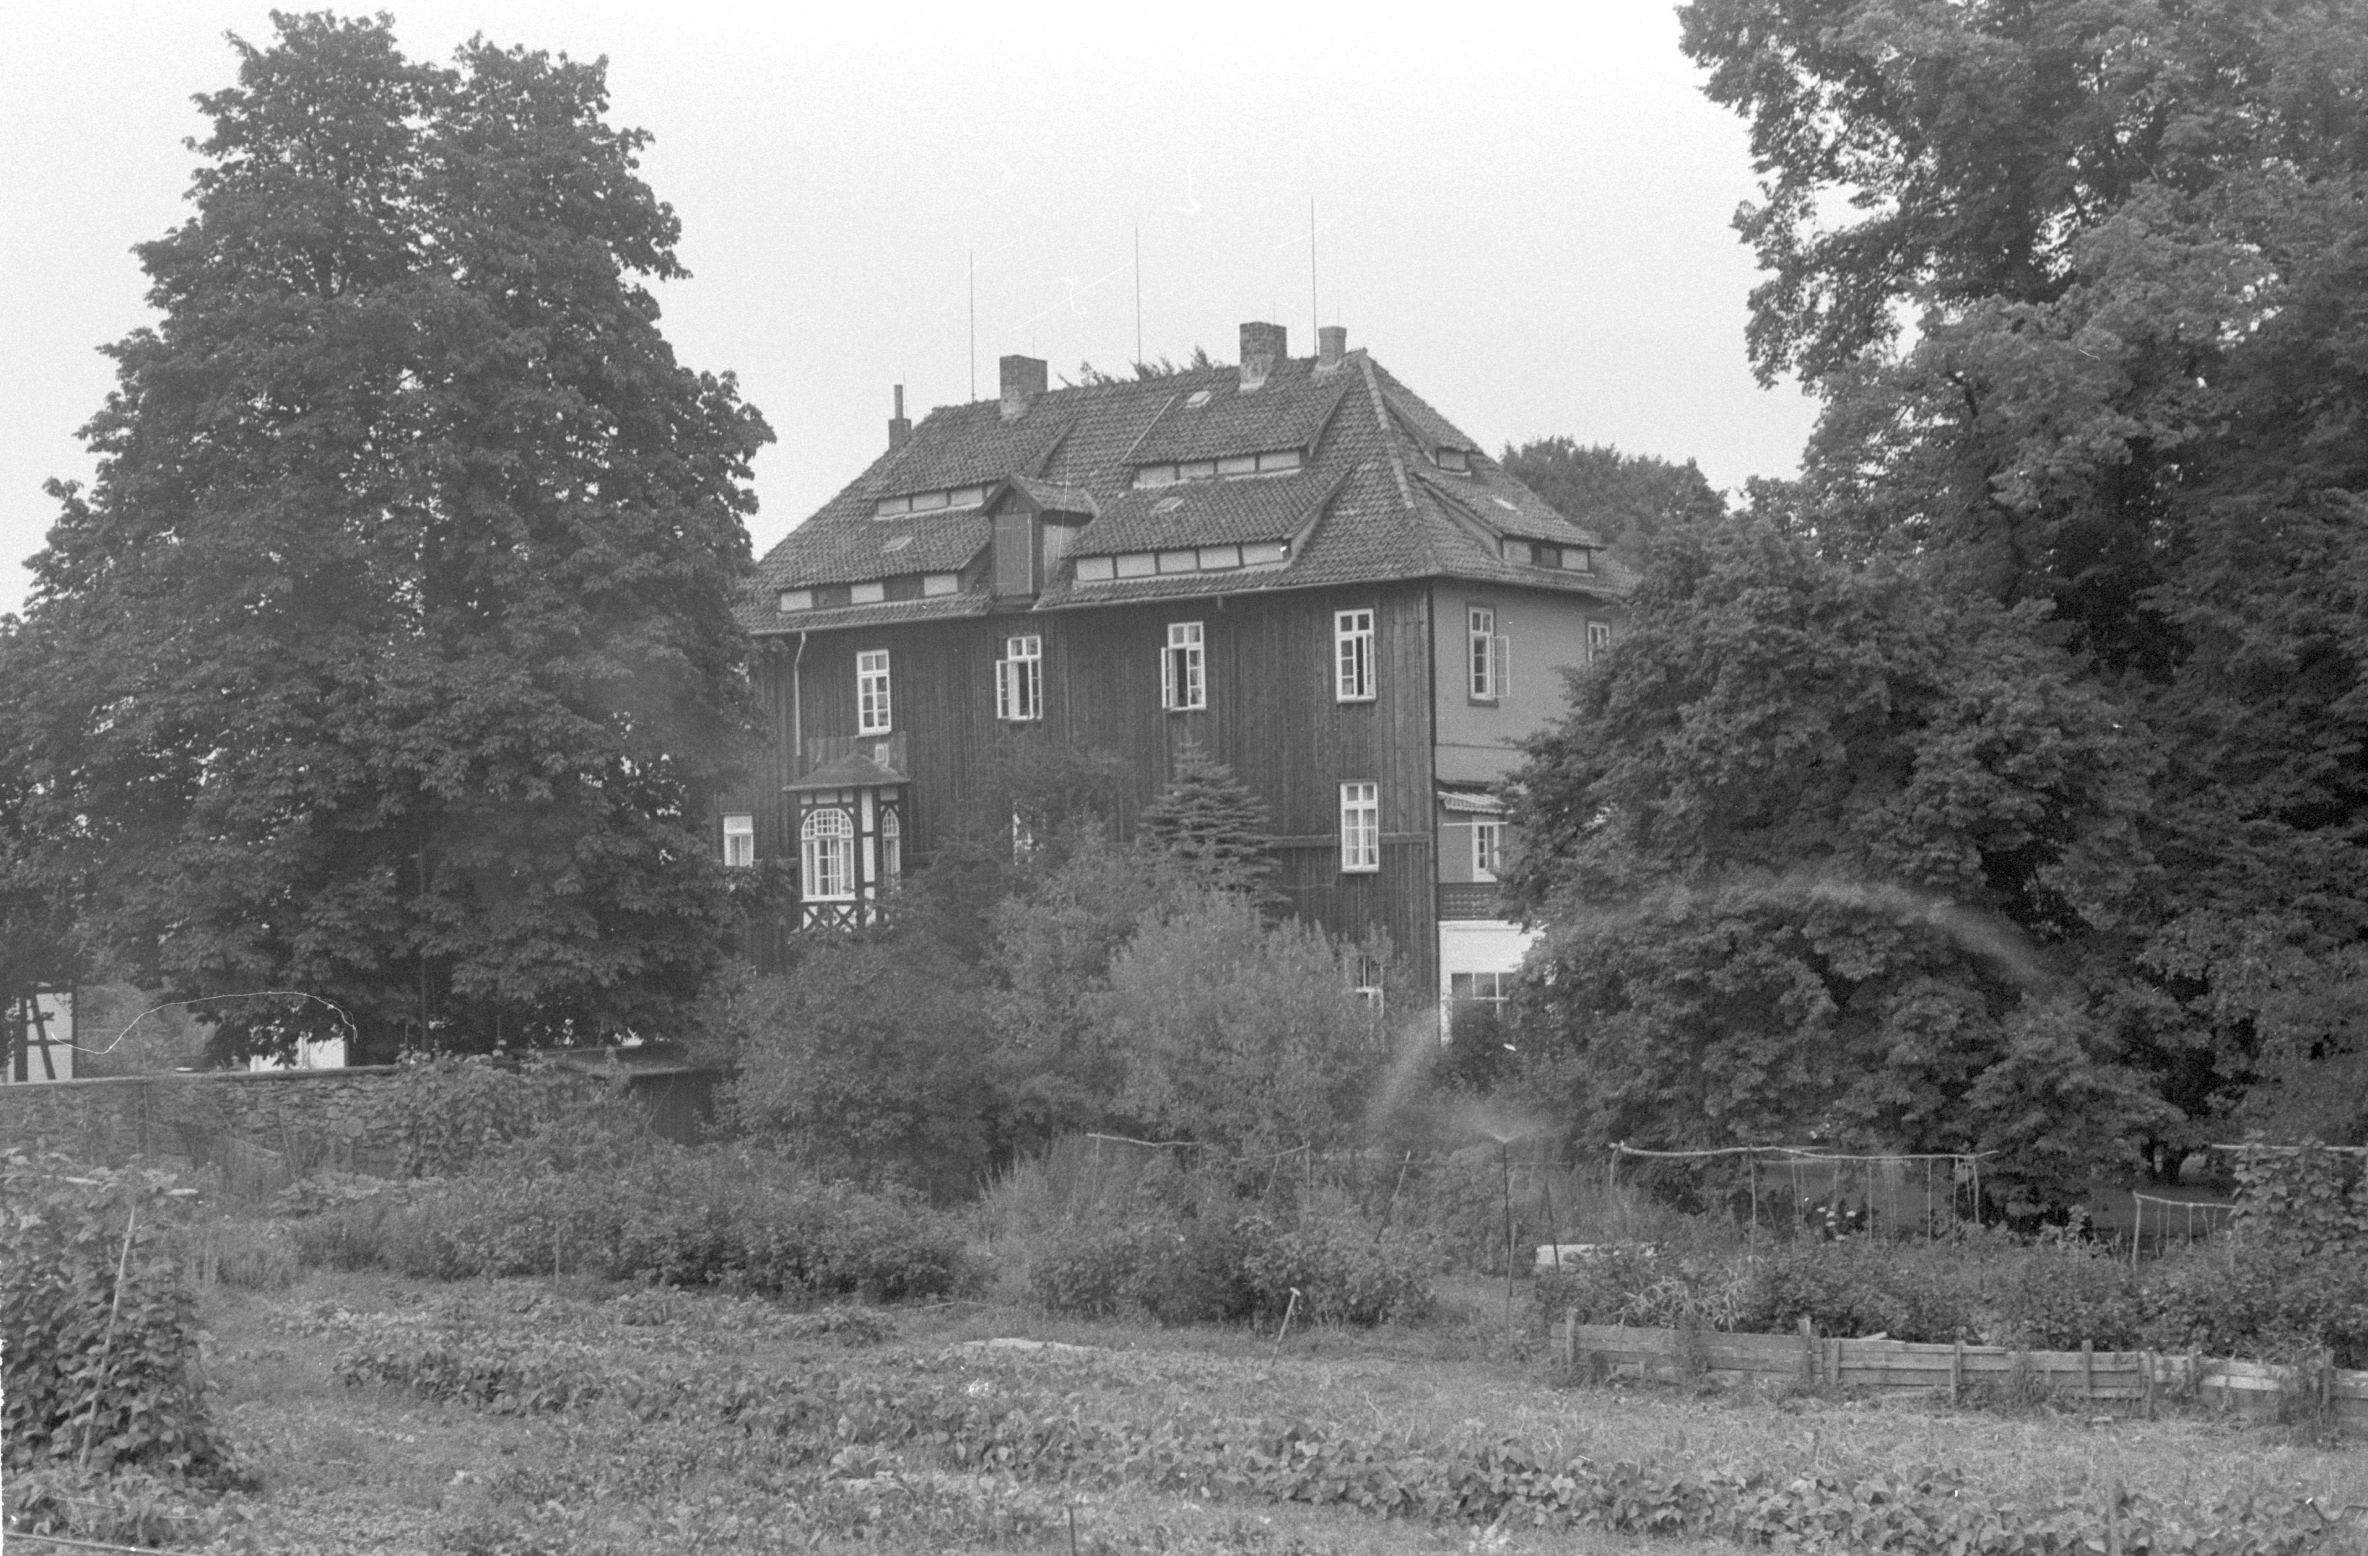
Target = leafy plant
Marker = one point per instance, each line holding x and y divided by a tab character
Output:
101	1363
2310	1200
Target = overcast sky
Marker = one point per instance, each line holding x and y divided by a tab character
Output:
1523	212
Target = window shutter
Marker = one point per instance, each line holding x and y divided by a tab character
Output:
1015	554
1500	665
1003	669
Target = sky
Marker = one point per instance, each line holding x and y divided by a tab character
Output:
1524	212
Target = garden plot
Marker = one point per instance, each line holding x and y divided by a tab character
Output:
513	1417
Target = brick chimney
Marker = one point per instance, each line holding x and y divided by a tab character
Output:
899	426
1264	348
1331	347
1023	381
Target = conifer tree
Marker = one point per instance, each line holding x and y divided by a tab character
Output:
1211	821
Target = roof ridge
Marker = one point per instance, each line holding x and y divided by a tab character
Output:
1381	418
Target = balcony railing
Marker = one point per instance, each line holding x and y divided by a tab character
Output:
1471	900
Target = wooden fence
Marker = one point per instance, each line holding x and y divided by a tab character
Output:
2120	1382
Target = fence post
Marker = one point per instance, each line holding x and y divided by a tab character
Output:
2147	1359
1808	1353
2088	1370
1956	1369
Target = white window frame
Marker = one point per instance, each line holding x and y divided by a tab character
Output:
739	841
1488	658
1360	827
1599	640
826	855
1184	668
1465	989
891	845
1352	656
1488	849
1019	680
875	712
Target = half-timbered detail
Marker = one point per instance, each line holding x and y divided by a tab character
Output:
1296	563
850	833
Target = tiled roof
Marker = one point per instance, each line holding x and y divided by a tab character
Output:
871	548
765	614
1050	498
1367	505
1214	420
1203	513
852	771
968	445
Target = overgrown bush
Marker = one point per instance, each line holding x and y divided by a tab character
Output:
1857	1286
451	1112
101	1360
670	1216
1345	1269
2057	1294
2260	1302
1184	1248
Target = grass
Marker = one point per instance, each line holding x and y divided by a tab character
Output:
380	1469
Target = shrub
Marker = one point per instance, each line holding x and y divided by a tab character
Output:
672	1217
2261	1302
1859	1287
450	1112
97	1367
1185	1249
2054	1296
256	1256
1346	1269
1092	1269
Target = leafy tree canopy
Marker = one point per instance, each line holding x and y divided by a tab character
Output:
2081	285
390	656
1829	853
1626	498
1239	1033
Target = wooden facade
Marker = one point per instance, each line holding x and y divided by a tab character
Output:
1255	503
1272	716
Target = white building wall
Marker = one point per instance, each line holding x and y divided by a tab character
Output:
1475	946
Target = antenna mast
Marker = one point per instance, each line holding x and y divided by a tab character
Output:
971	271
1138	294
1315	312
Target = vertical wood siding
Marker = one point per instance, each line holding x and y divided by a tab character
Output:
1271	717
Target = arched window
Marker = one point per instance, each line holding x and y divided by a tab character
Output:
828	839
891	845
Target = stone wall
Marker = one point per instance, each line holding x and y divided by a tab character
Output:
262	1129
257	1127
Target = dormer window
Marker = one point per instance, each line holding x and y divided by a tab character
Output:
1455	459
929	502
1540	553
1271	462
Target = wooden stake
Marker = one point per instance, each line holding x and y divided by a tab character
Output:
1808	1353
107	1342
1956	1370
2088	1370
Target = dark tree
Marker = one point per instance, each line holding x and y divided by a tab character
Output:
390	658
1212	823
1626	498
2084	285
1825	853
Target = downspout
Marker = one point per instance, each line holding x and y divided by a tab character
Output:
797	704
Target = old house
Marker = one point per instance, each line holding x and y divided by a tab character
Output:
1295	562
